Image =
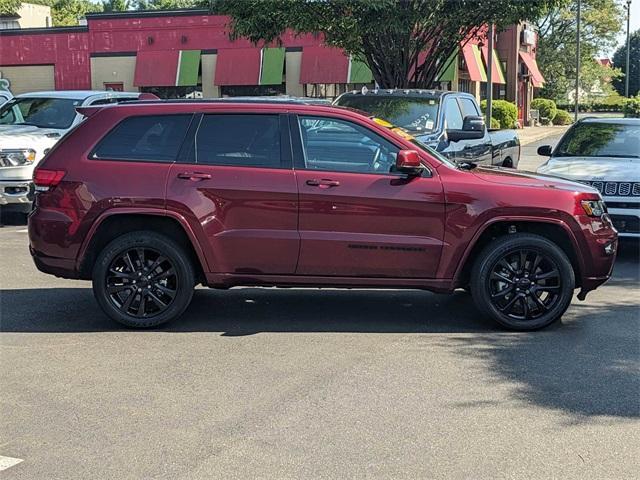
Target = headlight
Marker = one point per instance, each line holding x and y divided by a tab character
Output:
17	157
594	208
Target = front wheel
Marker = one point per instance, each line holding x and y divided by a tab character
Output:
523	281
143	279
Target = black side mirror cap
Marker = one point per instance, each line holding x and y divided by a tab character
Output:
544	150
456	135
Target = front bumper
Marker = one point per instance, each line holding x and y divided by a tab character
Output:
625	215
17	193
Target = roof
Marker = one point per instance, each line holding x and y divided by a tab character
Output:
238	100
76	94
612	120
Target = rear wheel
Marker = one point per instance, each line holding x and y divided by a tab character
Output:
523	281
143	279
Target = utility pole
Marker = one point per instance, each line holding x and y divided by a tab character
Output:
577	93
626	74
488	113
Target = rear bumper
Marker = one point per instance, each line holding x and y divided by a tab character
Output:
60	267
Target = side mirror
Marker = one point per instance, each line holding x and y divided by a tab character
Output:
473	123
408	161
473	128
544	150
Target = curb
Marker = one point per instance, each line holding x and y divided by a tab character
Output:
546	132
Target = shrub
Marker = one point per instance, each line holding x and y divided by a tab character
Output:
505	113
495	123
632	107
546	107
562	118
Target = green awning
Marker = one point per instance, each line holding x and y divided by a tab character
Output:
188	67
272	66
449	69
359	72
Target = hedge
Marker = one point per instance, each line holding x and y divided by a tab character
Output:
505	113
547	109
632	107
562	118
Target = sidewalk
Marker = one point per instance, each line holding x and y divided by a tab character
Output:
533	134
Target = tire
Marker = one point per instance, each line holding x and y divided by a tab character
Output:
131	291
506	292
508	163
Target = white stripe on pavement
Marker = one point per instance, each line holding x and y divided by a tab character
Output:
7	462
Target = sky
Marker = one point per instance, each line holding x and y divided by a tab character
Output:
635	22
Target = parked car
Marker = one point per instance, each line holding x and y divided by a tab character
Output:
30	124
147	199
603	153
449	122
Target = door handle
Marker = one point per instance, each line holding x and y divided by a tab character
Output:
324	183
194	176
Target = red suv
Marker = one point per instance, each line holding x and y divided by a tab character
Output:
148	199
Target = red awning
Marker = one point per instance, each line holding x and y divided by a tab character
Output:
156	68
238	66
496	71
536	77
474	63
324	65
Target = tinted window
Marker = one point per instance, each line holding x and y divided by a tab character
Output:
244	140
40	112
468	107
338	145
452	115
413	114
589	139
154	138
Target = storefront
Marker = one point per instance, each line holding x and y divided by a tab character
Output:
188	54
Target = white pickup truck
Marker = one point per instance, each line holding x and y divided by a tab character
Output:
30	124
605	154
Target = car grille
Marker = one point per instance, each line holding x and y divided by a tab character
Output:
615	189
626	223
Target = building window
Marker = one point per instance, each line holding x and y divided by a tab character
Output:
464	85
114	86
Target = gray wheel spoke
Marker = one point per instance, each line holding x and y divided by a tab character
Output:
117	288
157	263
165	290
127	303
128	262
548	288
507	265
140	253
115	273
509	305
156	300
503	292
522	260
525	306
142	304
545	276
163	275
499	276
536	262
539	302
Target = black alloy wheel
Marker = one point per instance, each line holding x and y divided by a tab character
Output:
143	279
141	282
523	281
525	284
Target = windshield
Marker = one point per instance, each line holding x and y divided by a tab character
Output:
40	112
600	140
415	115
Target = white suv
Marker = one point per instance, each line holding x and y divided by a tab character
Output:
30	124
603	153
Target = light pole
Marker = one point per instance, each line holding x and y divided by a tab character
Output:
626	75
577	93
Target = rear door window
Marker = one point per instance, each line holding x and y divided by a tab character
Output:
154	138
247	140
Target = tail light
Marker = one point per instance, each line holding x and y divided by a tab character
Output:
47	179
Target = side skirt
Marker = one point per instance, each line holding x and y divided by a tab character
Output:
228	280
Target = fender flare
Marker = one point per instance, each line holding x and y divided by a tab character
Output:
506	219
141	211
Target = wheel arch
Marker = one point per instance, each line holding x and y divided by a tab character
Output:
556	231
112	224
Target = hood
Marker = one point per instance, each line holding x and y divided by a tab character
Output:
605	168
509	176
27	136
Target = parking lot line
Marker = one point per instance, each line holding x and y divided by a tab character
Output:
7	462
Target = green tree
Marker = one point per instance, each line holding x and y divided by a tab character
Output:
9	7
68	12
602	20
388	34
620	62
115	5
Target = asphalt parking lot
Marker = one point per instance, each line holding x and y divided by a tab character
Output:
295	383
